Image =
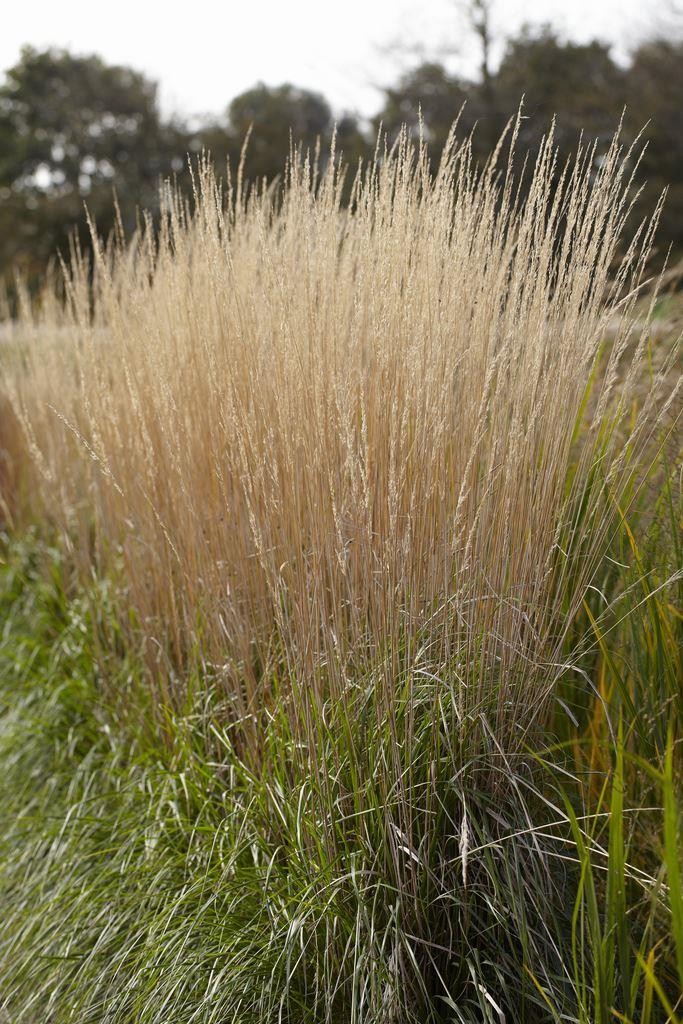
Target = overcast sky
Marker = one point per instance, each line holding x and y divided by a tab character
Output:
203	53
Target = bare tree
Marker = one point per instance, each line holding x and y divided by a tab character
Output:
479	16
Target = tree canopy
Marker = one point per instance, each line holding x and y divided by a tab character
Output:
72	129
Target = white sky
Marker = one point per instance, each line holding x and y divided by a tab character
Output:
205	52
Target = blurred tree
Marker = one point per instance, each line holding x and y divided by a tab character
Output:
479	14
276	115
578	82
71	127
439	97
655	103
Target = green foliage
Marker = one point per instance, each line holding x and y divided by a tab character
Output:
145	882
624	732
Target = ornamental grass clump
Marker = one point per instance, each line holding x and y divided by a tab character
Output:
354	468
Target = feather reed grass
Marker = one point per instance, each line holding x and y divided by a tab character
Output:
336	442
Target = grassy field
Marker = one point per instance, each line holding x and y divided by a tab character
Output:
340	608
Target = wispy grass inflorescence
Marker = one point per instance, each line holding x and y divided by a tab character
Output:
332	442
